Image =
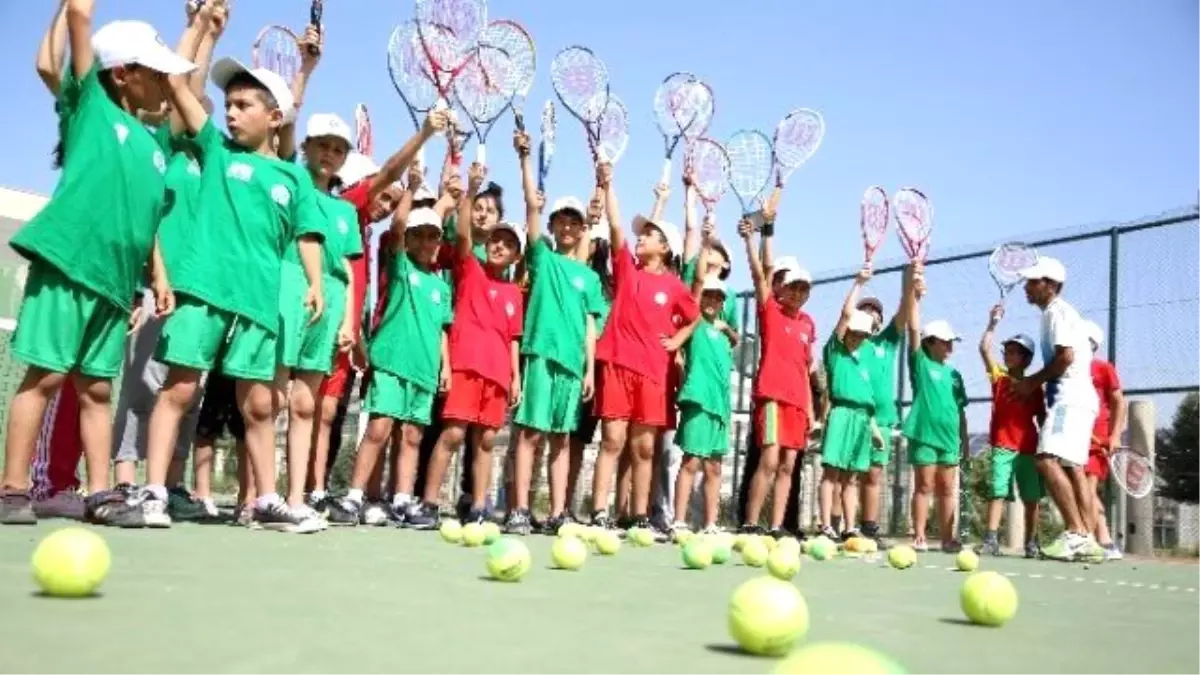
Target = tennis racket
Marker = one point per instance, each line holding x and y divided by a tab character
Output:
364	140
278	50
485	89
797	138
580	81
410	76
315	10
914	220
449	32
546	144
874	213
610	136
1006	263
514	40
1133	472
750	163
710	167
683	108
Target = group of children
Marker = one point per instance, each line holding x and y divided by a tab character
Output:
254	285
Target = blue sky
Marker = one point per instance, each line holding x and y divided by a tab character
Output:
1015	117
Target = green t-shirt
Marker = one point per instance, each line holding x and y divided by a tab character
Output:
709	362
563	292
183	199
99	225
938	396
729	313
409	338
848	373
252	208
884	346
342	239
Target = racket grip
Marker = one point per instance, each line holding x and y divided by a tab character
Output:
519	119
666	172
481	154
420	157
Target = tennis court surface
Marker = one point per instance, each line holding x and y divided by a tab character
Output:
223	599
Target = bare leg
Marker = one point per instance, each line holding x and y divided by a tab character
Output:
712	491
481	467
174	400
783	484
256	399
642	441
246	491
1031	521
529	442
763	479
24	422
923	478
302	408
1058	483
684	481
203	455
560	473
871	483
317	477
96	428
947	504
379	433
1103	536
849	491
406	464
831	478
624	482
448	443
613	435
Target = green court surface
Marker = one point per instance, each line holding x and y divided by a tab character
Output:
224	599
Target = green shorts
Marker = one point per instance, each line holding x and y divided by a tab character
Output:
550	397
64	327
701	433
1009	466
200	336
883	456
923	454
305	346
847	442
389	395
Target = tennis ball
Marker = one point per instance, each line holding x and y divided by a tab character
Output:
722	539
771	542
838	658
491	532
767	616
739	541
789	544
754	552
682	537
641	536
607	542
71	563
966	561
721	553
783	563
805	546
869	545
902	557
590	533
569	553
508	559
988	598
473	534
571	530
451	531
697	553
822	549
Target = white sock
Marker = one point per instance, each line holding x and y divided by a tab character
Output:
267	500
354	495
158	491
318	495
401	500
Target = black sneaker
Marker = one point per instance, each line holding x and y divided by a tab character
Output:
601	520
424	517
535	523
750	528
111	507
625	523
279	517
144	509
851	534
777	533
16	508
462	508
518	522
476	516
345	512
553	524
953	546
661	534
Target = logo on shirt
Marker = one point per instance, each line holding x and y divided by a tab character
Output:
193	167
713	333
160	161
509	310
577	282
239	171
935	375
122	132
435	296
342	226
281	195
880	352
491	294
660	298
413	279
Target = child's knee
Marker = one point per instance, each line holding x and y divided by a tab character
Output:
411	436
453	435
328	410
94	391
379	431
768	465
258	403
712	468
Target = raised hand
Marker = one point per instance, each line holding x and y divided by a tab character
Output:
522	143
994	316
453	187
476	174
864	274
312	46
745	228
437	121
662	191
604	172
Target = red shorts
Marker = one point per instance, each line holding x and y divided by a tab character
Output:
1097	464
782	424
624	394
475	400
334	385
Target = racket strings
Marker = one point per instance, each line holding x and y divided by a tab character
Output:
914	219
798	137
450	29
486	85
612	131
875	214
410	69
710	167
1008	260
749	164
279	52
580	80
515	42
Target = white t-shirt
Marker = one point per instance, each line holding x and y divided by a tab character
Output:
1063	327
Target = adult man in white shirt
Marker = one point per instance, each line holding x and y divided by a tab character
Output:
1071	405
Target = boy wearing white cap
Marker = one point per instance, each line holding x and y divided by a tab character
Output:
77	304
1013	436
936	425
1071	404
1106	435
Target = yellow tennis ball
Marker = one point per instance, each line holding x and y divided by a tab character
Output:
569	553
902	557
988	598
589	533
771	542
837	658
607	542
723	539
71	563
682	537
783	563
721	553
473	534
508	559
789	544
697	553
754	552
966	561
767	616
571	530
739	541
491	532
641	536
451	531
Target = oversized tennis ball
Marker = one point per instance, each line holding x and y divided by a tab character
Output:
71	563
767	616
571	530
966	561
473	534
721	553
569	553
451	531
989	598
508	559
491	532
641	536
607	542
697	553
837	658
739	541
902	557
754	552
789	544
783	563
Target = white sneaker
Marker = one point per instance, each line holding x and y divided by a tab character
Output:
1111	552
375	514
210	507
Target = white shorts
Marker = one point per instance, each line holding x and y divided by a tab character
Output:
1067	433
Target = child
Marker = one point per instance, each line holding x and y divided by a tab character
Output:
558	347
635	351
704	405
783	410
936	425
1106	436
485	345
1013	435
77	304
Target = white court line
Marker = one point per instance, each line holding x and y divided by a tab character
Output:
1099	581
1036	576
1078	579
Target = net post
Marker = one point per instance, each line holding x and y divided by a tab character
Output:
1140	538
1117	515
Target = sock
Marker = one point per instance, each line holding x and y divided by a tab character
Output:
401	500
354	495
158	491
318	495
267	500
991	535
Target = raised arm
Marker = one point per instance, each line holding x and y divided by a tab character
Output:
476	174
769	212
184	101
762	285
662	192
595	210
691	231
203	25
851	303
309	59
395	166
52	50
987	339
1116	403
914	309
900	321
533	212
616	236
79	34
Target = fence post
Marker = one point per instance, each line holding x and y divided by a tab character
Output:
1117	517
1140	540
895	440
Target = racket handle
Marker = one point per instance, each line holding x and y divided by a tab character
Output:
419	159
666	172
481	154
541	182
519	118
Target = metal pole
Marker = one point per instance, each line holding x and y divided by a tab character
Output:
1117	518
897	488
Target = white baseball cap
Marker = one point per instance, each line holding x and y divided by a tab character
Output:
423	193
1094	332
1023	340
787	262
712	283
669	231
1045	268
327	124
123	43
795	274
860	322
517	231
423	217
228	68
939	329
357	167
567	204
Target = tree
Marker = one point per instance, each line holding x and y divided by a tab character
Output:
1177	454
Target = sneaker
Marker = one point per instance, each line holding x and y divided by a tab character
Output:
851	533
345	512
1066	547
1033	549
829	533
62	504
112	507
153	512
377	514
748	528
243	516
661	534
552	525
16	508
518	522
208	509
462	508
625	522
181	506
952	547
777	533
279	517
535	523
1111	553
921	546
1093	552
601	520
680	531
990	546
424	517
476	516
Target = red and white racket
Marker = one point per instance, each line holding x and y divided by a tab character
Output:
1132	471
515	41
683	109
278	50
410	75
874	214
710	167
580	81
797	138
449	32
914	221
364	140
485	89
1006	263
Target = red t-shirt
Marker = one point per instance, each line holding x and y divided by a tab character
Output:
786	356
1104	378
645	307
1013	425
358	195
488	315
